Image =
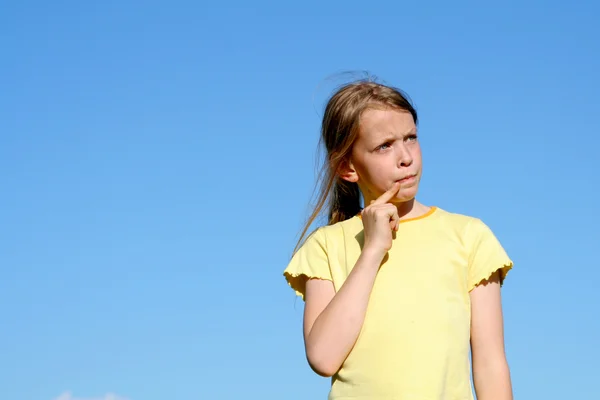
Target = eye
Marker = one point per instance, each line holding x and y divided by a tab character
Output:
383	146
411	138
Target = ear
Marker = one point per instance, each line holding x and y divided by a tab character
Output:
347	172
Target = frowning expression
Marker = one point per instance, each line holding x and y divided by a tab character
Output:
386	151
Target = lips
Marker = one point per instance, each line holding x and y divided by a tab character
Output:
406	178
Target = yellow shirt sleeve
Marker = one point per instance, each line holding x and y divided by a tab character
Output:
486	254
310	261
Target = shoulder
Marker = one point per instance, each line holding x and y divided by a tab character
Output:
470	229
313	258
460	222
486	254
335	232
459	219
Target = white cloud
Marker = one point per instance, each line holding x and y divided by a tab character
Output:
108	396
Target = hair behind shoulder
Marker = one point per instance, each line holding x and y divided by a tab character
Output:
339	130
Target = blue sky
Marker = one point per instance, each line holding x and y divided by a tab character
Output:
156	160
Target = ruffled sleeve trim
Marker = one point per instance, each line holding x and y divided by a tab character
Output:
503	269
298	282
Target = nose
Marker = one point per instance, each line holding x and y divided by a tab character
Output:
405	158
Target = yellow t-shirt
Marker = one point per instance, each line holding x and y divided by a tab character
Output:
414	342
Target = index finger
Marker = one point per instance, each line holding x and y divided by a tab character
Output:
388	194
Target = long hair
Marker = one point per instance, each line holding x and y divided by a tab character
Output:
339	130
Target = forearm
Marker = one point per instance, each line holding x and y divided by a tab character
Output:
492	380
336	329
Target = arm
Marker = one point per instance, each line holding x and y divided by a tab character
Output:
332	321
491	374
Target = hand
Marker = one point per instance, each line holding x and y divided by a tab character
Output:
380	218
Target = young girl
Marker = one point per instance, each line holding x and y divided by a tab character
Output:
396	293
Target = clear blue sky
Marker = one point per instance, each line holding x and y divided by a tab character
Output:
156	160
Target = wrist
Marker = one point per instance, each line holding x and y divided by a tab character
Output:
373	255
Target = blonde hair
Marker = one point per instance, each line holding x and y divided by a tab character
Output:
339	131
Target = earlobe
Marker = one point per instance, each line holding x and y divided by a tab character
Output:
347	172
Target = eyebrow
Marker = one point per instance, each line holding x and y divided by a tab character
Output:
391	136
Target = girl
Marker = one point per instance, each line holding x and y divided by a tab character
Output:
398	293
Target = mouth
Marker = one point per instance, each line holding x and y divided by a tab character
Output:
407	179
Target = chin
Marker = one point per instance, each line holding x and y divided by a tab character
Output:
407	194
403	199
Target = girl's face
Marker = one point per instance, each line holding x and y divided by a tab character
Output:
386	151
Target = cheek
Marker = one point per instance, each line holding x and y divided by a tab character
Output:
417	159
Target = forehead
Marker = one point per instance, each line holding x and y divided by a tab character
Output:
376	123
